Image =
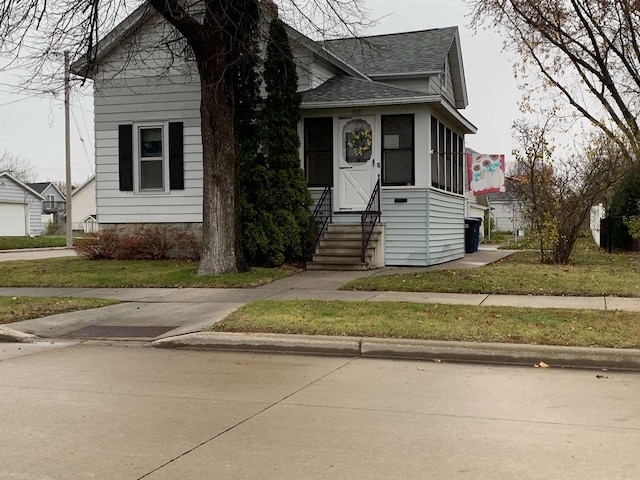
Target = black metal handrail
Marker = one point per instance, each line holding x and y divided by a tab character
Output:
321	217
369	218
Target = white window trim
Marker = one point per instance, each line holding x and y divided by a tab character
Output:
165	158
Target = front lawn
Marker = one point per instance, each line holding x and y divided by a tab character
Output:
582	328
591	273
79	272
15	309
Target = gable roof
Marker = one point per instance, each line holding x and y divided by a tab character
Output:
40	187
24	186
405	55
418	52
112	40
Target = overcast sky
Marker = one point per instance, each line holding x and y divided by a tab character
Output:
33	128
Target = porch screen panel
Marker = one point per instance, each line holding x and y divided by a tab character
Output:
461	166
441	156
435	148
398	150
318	151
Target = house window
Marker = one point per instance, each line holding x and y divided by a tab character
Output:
398	151
447	158
151	158
318	151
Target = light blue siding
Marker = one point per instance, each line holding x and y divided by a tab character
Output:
15	193
405	226
446	227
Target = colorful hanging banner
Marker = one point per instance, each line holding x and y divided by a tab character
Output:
485	173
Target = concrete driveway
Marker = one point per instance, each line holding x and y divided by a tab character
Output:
130	412
35	254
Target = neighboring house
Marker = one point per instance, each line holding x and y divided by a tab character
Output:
506	212
83	206
54	204
387	109
20	208
477	205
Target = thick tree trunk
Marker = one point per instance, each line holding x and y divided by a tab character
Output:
219	226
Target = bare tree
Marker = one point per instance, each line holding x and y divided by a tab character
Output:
557	193
217	34
17	167
586	51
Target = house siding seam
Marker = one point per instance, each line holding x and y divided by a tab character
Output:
446	227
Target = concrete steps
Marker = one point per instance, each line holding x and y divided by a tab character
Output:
340	248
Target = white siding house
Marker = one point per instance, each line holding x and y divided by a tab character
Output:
83	205
404	95
20	208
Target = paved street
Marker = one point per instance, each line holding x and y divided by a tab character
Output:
128	412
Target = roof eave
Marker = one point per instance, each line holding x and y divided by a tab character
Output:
403	75
21	184
112	40
323	53
417	100
370	102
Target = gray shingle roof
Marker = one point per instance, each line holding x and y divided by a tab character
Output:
38	186
422	51
342	88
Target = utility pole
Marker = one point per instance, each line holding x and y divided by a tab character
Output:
67	145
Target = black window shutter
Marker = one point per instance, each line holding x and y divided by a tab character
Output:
125	157
176	156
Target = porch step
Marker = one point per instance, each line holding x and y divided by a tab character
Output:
340	248
337	266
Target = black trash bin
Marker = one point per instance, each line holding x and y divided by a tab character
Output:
472	234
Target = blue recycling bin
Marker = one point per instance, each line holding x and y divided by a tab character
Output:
472	234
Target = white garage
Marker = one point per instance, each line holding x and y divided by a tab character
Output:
12	219
20	208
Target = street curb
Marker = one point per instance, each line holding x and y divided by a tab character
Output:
434	350
513	354
264	342
10	335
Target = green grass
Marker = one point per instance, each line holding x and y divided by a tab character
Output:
44	241
79	272
438	322
15	309
591	273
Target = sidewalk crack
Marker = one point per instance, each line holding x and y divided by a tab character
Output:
233	427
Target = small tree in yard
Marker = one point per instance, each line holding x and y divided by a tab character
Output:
557	195
275	195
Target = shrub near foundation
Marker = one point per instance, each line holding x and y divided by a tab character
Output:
146	243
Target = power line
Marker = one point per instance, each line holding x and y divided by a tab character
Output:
84	146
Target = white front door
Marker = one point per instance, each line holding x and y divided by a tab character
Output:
356	163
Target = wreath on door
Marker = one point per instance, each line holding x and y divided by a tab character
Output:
359	141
